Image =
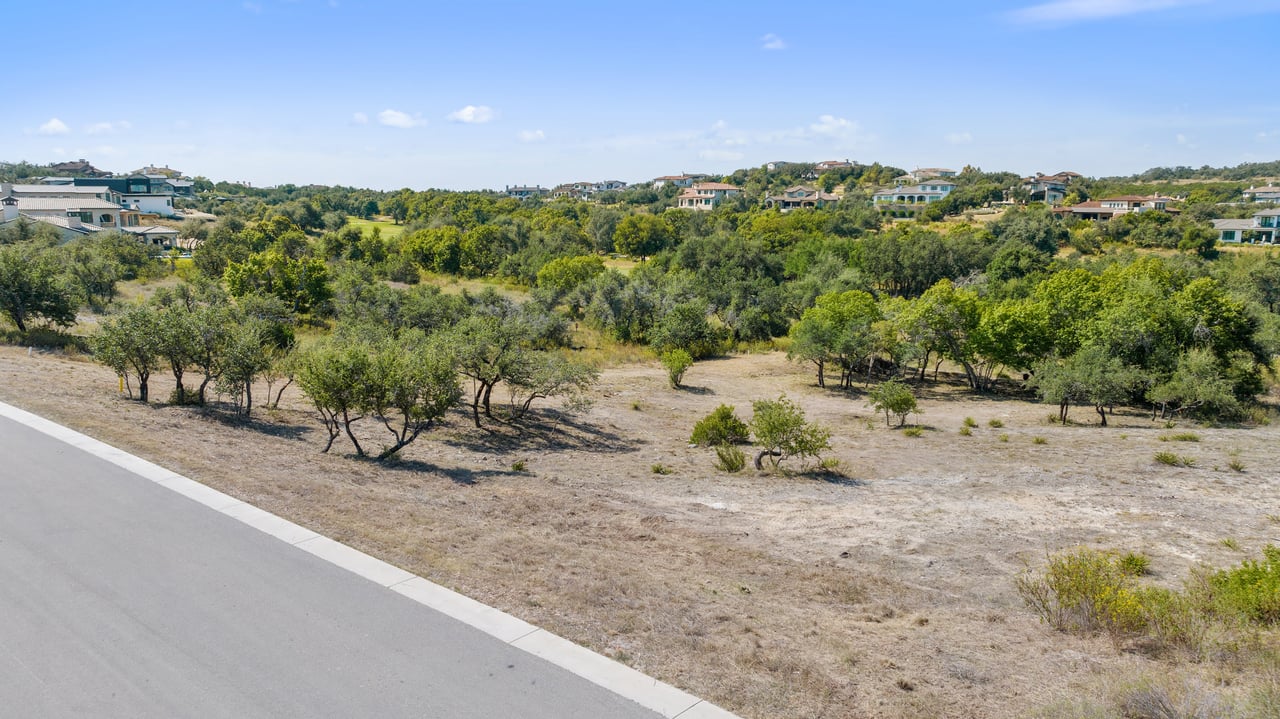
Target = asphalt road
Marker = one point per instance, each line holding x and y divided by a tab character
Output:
120	598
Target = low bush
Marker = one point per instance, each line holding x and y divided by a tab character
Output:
1180	437
720	427
994	423
970	422
729	458
1251	590
676	362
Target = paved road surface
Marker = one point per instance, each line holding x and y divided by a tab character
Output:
120	598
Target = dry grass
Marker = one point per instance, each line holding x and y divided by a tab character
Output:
795	596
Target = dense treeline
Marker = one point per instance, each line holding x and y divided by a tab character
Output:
859	296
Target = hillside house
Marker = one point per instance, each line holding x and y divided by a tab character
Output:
78	168
141	193
1259	229
799	197
924	173
525	192
1049	189
1110	207
923	193
705	196
827	165
684	180
1270	193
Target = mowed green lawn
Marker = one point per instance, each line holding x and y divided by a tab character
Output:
389	228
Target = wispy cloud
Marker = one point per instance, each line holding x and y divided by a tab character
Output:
473	114
1067	11
252	7
958	138
403	120
108	128
360	118
1184	141
772	42
54	127
531	135
720	155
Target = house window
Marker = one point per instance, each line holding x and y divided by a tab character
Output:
106	220
1228	235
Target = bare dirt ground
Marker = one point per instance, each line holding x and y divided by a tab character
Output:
885	592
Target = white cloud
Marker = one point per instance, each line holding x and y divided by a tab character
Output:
360	118
959	138
473	114
60	151
1184	141
107	128
54	127
253	7
772	42
1065	11
395	118
832	126
532	135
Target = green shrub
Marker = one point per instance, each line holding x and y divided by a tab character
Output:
519	465
1180	437
1251	590
722	426
913	431
1039	440
970	422
660	468
1081	591
1004	438
1236	465
1134	564
1174	460
994	423
782	431
965	431
729	458
676	362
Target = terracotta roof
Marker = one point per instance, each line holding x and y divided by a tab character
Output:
714	186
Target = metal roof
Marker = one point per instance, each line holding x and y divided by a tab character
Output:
65	203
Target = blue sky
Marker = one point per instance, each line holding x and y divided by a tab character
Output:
465	95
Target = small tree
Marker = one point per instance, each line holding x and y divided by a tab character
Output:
412	385
781	431
128	344
676	362
334	376
895	399
32	286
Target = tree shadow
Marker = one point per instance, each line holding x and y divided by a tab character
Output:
542	429
458	475
226	415
690	389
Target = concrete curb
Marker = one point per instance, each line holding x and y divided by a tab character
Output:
618	678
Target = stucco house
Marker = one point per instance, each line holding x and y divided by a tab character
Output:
1270	193
142	193
524	192
1259	229
1049	189
706	195
682	180
923	193
1110	207
801	196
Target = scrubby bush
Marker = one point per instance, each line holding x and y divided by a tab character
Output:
1252	589
721	427
729	458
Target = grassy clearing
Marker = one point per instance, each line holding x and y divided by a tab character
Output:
388	228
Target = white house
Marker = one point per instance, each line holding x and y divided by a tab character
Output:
524	192
1270	193
1261	228
924	173
1110	207
1049	189
925	192
706	195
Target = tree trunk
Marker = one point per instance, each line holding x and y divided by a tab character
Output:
1102	412
281	393
762	454
346	424
179	390
248	398
142	387
822	380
